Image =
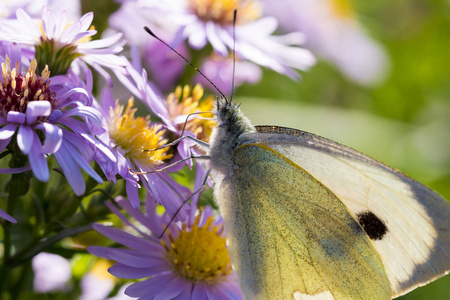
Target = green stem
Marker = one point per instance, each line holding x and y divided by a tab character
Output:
23	257
5	270
24	275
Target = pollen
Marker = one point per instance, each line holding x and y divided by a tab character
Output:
221	11
184	101
200	253
17	90
135	136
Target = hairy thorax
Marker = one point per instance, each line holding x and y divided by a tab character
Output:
224	138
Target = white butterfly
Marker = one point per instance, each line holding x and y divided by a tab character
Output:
309	218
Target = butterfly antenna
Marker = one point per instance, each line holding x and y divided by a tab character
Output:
234	53
205	180
192	114
185	59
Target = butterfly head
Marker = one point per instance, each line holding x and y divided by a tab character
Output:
230	118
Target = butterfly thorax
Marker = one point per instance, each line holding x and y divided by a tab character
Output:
224	138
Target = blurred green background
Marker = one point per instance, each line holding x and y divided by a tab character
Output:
404	121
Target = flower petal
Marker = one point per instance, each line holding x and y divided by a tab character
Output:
124	238
71	170
132	193
27	22
199	292
16	117
214	39
127	272
53	137
5	216
25	137
37	109
149	287
172	289
7	131
38	162
136	258
98	251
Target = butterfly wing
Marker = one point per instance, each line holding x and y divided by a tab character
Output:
415	246
290	236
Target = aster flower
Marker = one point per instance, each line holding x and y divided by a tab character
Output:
333	32
203	22
130	137
190	261
34	106
173	112
186	100
174	109
60	44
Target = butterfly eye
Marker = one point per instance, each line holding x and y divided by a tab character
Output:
372	225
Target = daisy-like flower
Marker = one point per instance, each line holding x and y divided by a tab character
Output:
173	112
186	100
333	32
38	107
133	140
203	22
174	109
190	261
61	44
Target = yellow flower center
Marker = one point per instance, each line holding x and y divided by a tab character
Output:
342	8
199	254
17	90
221	11
185	101
135	136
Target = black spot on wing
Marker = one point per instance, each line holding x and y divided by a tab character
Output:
372	225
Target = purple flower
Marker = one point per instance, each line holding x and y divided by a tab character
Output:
130	137
203	21
56	108
60	44
190	261
173	112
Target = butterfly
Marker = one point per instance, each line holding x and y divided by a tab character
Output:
309	218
